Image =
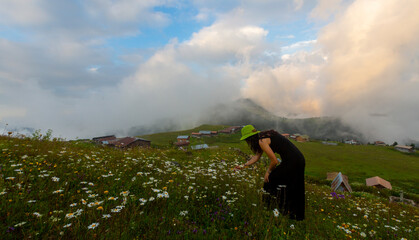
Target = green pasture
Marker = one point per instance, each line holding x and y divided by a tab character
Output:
79	190
358	162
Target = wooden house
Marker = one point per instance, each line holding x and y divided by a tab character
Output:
129	142
104	139
302	138
378	182
406	149
205	133
182	143
183	138
332	176
379	143
340	183
196	134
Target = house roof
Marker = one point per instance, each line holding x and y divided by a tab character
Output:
205	132
404	147
121	142
200	146
183	137
332	175
377	181
104	138
340	183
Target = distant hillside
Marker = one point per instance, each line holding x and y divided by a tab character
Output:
245	111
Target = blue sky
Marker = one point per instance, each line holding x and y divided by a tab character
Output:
84	68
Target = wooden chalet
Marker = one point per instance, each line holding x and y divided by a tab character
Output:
129	142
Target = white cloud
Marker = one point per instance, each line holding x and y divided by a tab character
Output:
290	89
372	49
23	13
93	69
126	11
363	65
325	9
298	4
299	45
224	42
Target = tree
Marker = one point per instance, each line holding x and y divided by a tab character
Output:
395	143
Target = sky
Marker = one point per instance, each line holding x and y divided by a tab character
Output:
86	67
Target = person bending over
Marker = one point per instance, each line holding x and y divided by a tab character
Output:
287	178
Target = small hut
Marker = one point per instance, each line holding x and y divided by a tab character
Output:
200	146
183	138
340	184
129	142
406	149
378	182
332	175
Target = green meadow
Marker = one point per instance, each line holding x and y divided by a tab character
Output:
79	190
358	162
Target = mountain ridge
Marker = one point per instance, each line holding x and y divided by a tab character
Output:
245	111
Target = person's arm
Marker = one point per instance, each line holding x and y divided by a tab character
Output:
264	144
252	160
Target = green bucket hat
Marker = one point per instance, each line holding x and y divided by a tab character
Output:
248	131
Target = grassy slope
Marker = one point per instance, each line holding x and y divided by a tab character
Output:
220	204
164	139
358	162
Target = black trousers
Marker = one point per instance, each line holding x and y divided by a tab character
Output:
290	199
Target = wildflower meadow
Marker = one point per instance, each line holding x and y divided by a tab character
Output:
78	190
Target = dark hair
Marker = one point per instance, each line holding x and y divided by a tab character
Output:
253	141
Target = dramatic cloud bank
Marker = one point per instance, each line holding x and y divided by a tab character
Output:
96	67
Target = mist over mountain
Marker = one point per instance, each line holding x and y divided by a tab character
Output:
246	111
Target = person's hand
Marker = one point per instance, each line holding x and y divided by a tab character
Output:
238	167
267	177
